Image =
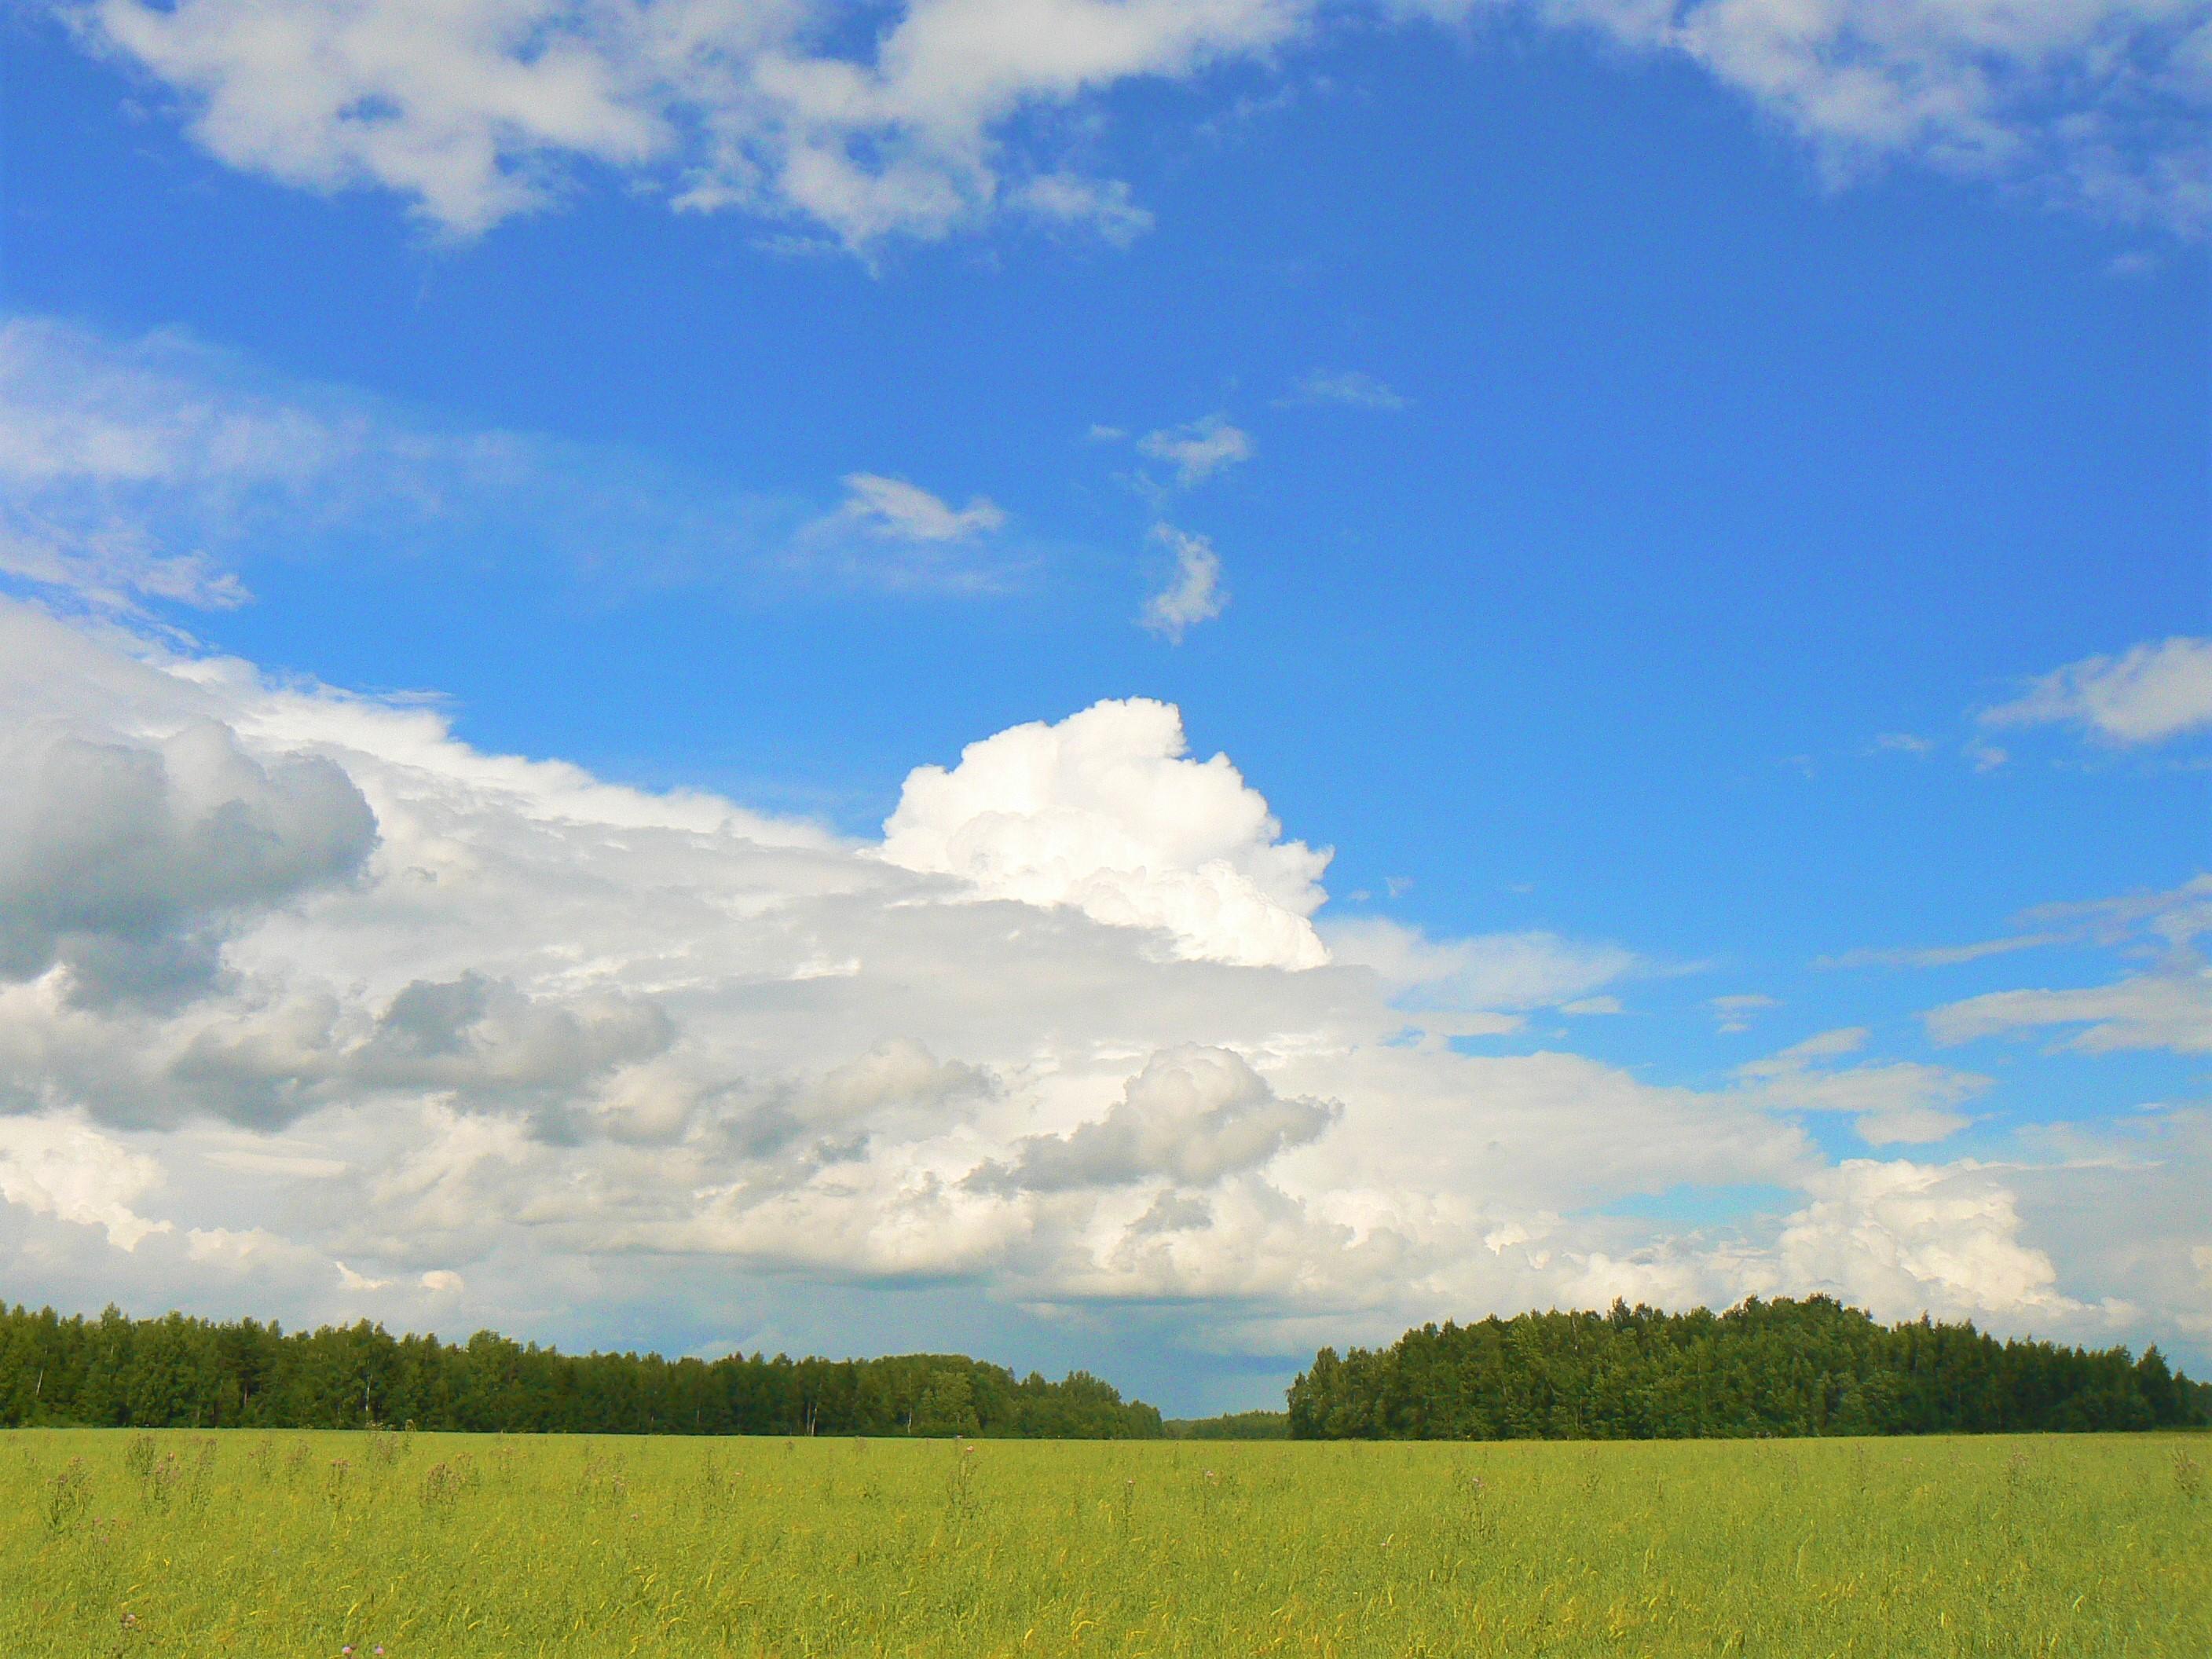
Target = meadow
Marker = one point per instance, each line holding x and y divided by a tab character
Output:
296	1545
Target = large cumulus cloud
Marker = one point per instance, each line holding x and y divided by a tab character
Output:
1105	813
449	1036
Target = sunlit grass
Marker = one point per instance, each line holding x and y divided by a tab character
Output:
297	1544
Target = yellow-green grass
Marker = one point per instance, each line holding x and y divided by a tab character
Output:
295	1544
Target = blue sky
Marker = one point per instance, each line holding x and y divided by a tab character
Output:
1685	510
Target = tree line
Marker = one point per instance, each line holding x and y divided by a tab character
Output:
1783	1367
179	1372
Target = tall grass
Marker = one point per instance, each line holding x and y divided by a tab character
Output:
297	1544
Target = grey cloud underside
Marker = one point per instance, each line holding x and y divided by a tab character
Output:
1193	1116
481	1017
127	863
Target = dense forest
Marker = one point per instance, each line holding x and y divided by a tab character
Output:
1764	1368
175	1372
1231	1425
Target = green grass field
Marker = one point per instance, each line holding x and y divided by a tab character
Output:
297	1544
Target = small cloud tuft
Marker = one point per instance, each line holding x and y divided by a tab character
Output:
1194	593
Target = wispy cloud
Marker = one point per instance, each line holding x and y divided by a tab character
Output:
893	508
162	470
1351	388
2168	1006
2154	692
2161	923
1937	955
1904	743
1487	973
2145	1010
1735	1012
1103	206
1194	592
1893	1102
1200	449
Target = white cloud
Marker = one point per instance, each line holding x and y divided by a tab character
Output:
2097	104
1105	813
1900	1102
2169	1006
61	1167
122	465
1066	1037
1901	1238
1194	593
1352	388
1736	1011
358	1281
159	469
1102	205
1198	450
2144	1010
894	508
475	110
1192	1116
1494	972
1937	955
2163	923
125	863
890	534
2149	694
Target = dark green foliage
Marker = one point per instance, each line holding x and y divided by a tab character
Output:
1234	1425
1765	1368
175	1372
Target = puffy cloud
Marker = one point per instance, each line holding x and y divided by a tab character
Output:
1106	813
475	110
1198	450
1194	593
1900	1239
2094	104
1900	1102
126	862
1066	1037
2147	695
1192	1116
59	1167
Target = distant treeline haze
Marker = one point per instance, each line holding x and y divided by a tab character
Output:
1765	1368
175	1372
